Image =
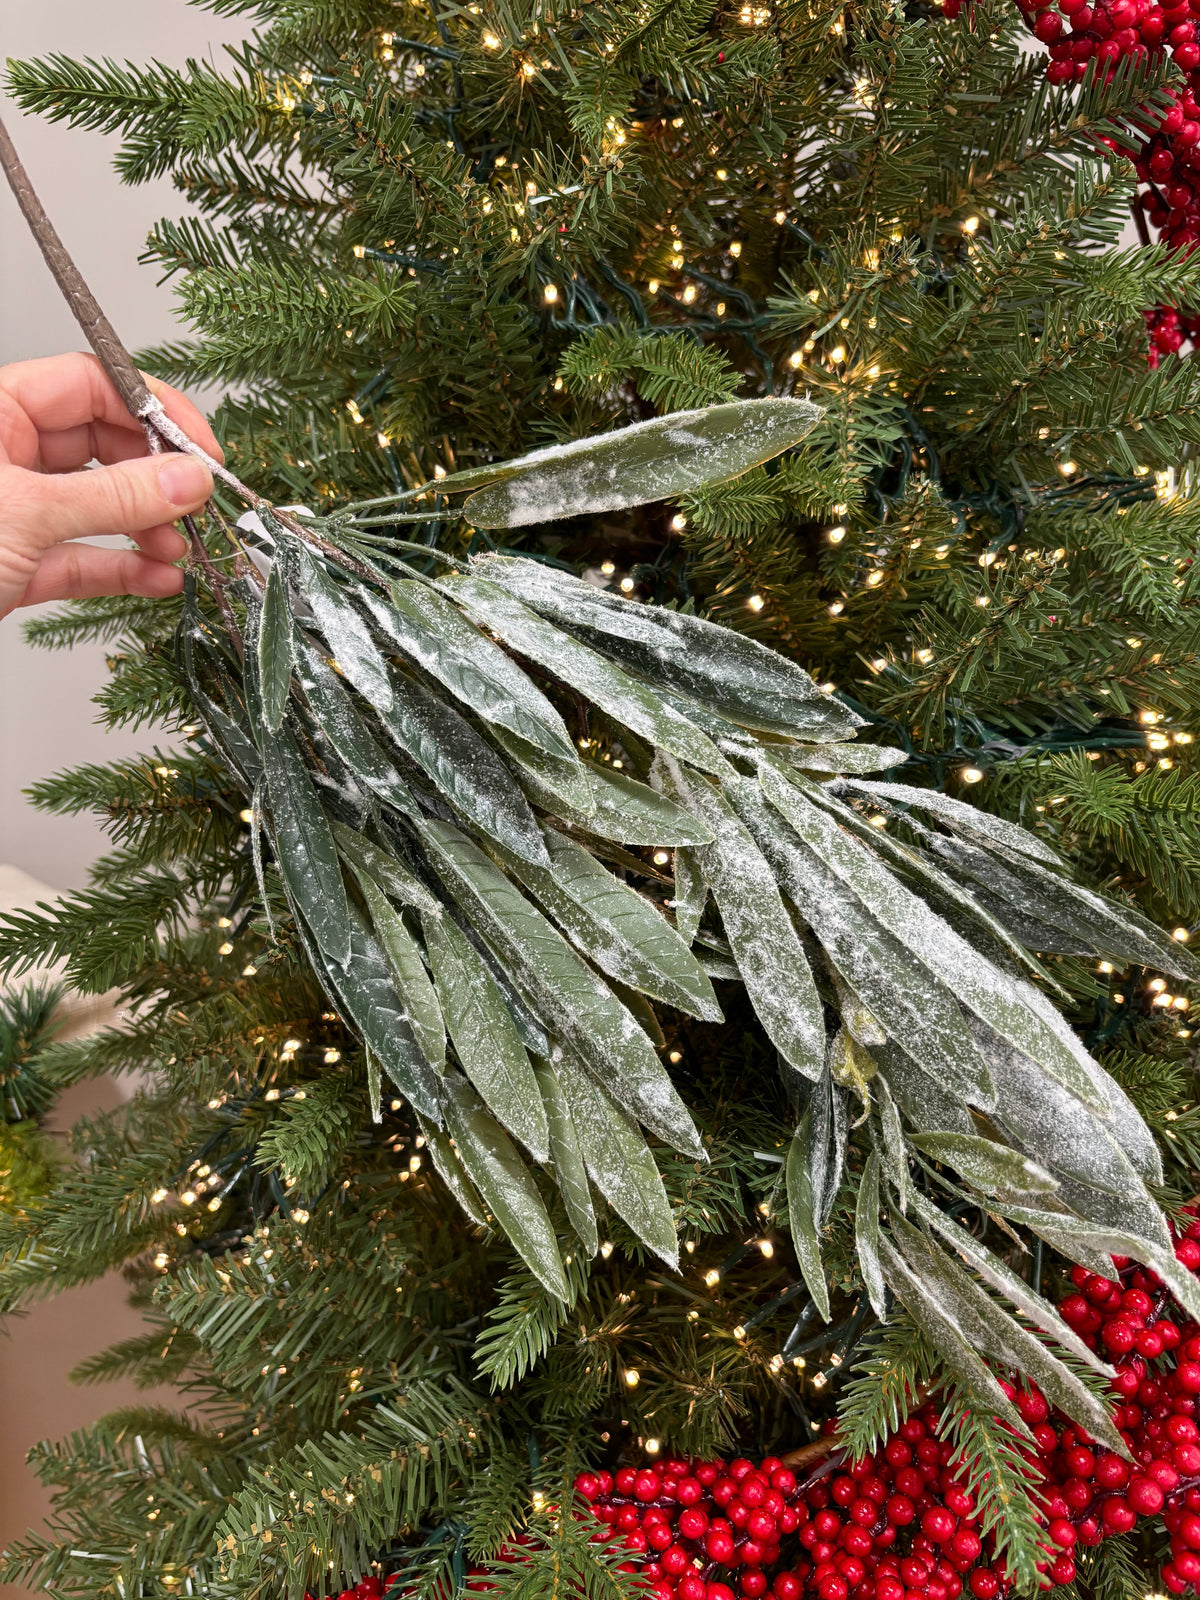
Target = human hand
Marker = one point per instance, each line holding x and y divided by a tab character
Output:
56	415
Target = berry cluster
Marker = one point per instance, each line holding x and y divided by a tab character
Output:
901	1524
1093	36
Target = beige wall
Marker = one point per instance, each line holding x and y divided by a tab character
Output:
46	719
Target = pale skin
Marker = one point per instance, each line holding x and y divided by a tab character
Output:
57	415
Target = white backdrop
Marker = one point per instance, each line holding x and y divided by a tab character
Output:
46	718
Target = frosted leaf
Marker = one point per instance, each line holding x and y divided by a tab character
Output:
841	757
1012	1006
910	1002
691	893
726	672
1001	1277
600	680
464	767
866	1236
808	1174
761	935
653	460
922	1099
567	996
618	929
346	634
436	635
452	1173
941	1326
485	1037
1000	1338
304	847
1041	1117
966	818
408	971
547	782
496	1169
570	1172
619	1161
347	732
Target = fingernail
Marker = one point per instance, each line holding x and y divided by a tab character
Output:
183	480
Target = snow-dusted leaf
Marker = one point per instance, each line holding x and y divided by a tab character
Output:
993	1270
807	1161
959	814
387	871
719	669
617	928
1108	1242
343	725
900	992
1009	1005
464	767
986	1165
494	1166
691	892
635	814
567	996
930	1103
365	994
408	971
653	460
436	635
452	1173
941	1327
570	1172
619	1161
304	847
275	648
346	633
866	1236
999	1337
562	787
891	1139
761	935
485	1037
847	758
619	695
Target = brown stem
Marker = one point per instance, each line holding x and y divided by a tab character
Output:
116	360
101	334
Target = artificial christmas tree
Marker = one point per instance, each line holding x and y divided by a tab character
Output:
431	886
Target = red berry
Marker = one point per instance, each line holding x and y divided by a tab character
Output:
900	1510
984	1584
1062	1533
938	1525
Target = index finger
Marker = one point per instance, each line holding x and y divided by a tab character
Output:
61	393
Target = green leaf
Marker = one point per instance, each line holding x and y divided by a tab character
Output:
485	1037
807	1160
721	670
1001	1276
895	1154
364	993
981	826
347	635
340	721
691	893
570	1173
943	1332
848	758
464	767
636	814
1009	1005
998	1337
761	934
561	989
987	1166
866	1236
304	847
452	1172
618	929
275	660
620	1162
558	786
398	881
437	636
653	460
496	1169
606	685
408	971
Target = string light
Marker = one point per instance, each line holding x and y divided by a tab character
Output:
756	602
1180	935
971	775
836	535
632	1377
550	293
712	1278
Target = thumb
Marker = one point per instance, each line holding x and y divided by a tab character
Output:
125	498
